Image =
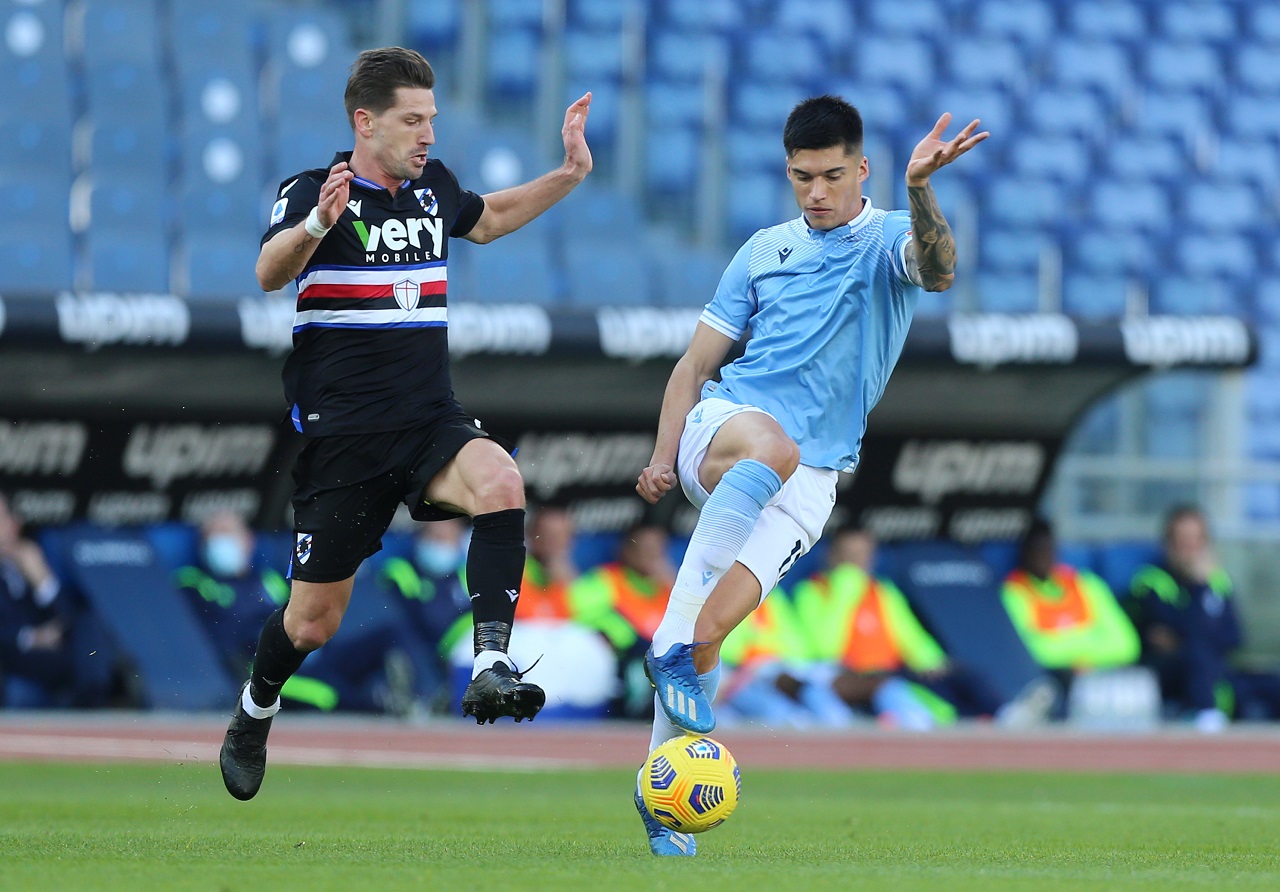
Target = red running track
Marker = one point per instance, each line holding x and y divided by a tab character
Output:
455	745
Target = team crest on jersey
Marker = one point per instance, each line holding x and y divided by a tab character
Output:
407	293
428	200
302	550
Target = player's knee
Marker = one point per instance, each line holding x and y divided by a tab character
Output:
313	634
778	452
500	491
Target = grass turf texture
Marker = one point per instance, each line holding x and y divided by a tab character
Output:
139	827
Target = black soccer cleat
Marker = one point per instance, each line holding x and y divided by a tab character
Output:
499	691
244	754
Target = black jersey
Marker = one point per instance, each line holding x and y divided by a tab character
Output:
370	336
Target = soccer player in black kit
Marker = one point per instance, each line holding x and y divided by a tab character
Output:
368	384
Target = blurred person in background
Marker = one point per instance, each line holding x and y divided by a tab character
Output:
366	669
432	584
368	383
624	600
53	652
1184	609
549	568
1068	618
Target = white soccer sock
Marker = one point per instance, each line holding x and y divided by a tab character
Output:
254	710
486	659
693	585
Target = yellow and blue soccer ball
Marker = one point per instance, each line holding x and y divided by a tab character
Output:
691	784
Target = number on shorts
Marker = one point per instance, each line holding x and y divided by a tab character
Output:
790	560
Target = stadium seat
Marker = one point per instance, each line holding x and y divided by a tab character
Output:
36	147
1262	502
1095	250
40	205
1180	113
1256	161
206	208
902	60
1182	65
115	31
32	31
1061	157
131	591
1132	203
685	56
126	90
1006	292
1155	156
1253	116
685	277
1107	20
985	62
1263	22
923	17
673	161
40	262
992	104
600	212
673	103
794	58
1195	293
708	15
1226	255
1016	201
438	25
830	21
129	146
757	149
1067	110
129	260
519	269
883	107
757	200
1197	21
1254	68
1095	297
204	34
957	597
593	55
40	87
763	104
513	61
1012	250
607	271
1030	21
1098	64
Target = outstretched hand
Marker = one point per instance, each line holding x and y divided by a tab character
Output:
933	153
577	155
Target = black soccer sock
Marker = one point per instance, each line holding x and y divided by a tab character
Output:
495	566
277	659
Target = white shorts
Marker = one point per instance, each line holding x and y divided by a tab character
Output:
791	522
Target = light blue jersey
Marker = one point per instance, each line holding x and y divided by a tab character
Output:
828	314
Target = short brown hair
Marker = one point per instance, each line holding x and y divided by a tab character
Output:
377	74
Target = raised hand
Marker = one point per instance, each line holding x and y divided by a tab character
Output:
334	194
932	152
577	155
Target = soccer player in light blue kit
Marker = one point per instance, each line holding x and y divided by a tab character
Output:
828	298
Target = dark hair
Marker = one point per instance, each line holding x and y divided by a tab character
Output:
377	74
1179	513
822	122
1037	531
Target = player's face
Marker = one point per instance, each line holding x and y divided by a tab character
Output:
828	185
401	135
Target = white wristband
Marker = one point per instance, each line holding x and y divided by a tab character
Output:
314	229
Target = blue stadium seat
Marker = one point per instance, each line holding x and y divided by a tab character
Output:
1217	254
129	259
905	61
984	61
42	205
756	149
513	63
125	89
1062	157
600	212
797	58
1197	21
1155	156
764	104
1005	292
1030	21
673	103
1131	203
32	31
121	31
1263	22
1183	65
205	207
1067	110
1255	69
706	15
518	269
684	276
1180	113
1095	250
684	57
1099	64
212	33
437	25
1267	303
1095	297
593	55
1262	501
923	17
1221	205
592	15
831	21
1107	19
992	104
673	160
39	87
607	271
307	144
1023	201
129	146
515	13
36	147
221	265
1011	250
40	262
756	201
1252	116
1190	295
882	106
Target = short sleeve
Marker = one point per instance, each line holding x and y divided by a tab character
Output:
730	310
470	208
897	235
296	198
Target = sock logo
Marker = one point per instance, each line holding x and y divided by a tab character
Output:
707	577
303	549
513	593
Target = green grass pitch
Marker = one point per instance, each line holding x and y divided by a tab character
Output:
138	827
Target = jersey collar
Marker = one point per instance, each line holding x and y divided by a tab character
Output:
361	181
848	228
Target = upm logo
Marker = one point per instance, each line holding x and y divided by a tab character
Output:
397	235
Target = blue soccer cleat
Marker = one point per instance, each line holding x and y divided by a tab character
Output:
662	840
686	705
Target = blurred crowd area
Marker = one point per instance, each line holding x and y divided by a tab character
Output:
910	636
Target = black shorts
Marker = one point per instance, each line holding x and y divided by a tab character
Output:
347	488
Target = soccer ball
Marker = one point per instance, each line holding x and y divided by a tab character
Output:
690	784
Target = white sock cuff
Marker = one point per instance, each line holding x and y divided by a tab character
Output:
486	659
254	710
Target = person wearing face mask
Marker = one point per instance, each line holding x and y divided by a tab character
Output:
1184	609
366	670
432	585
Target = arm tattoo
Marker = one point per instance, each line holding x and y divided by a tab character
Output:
935	246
